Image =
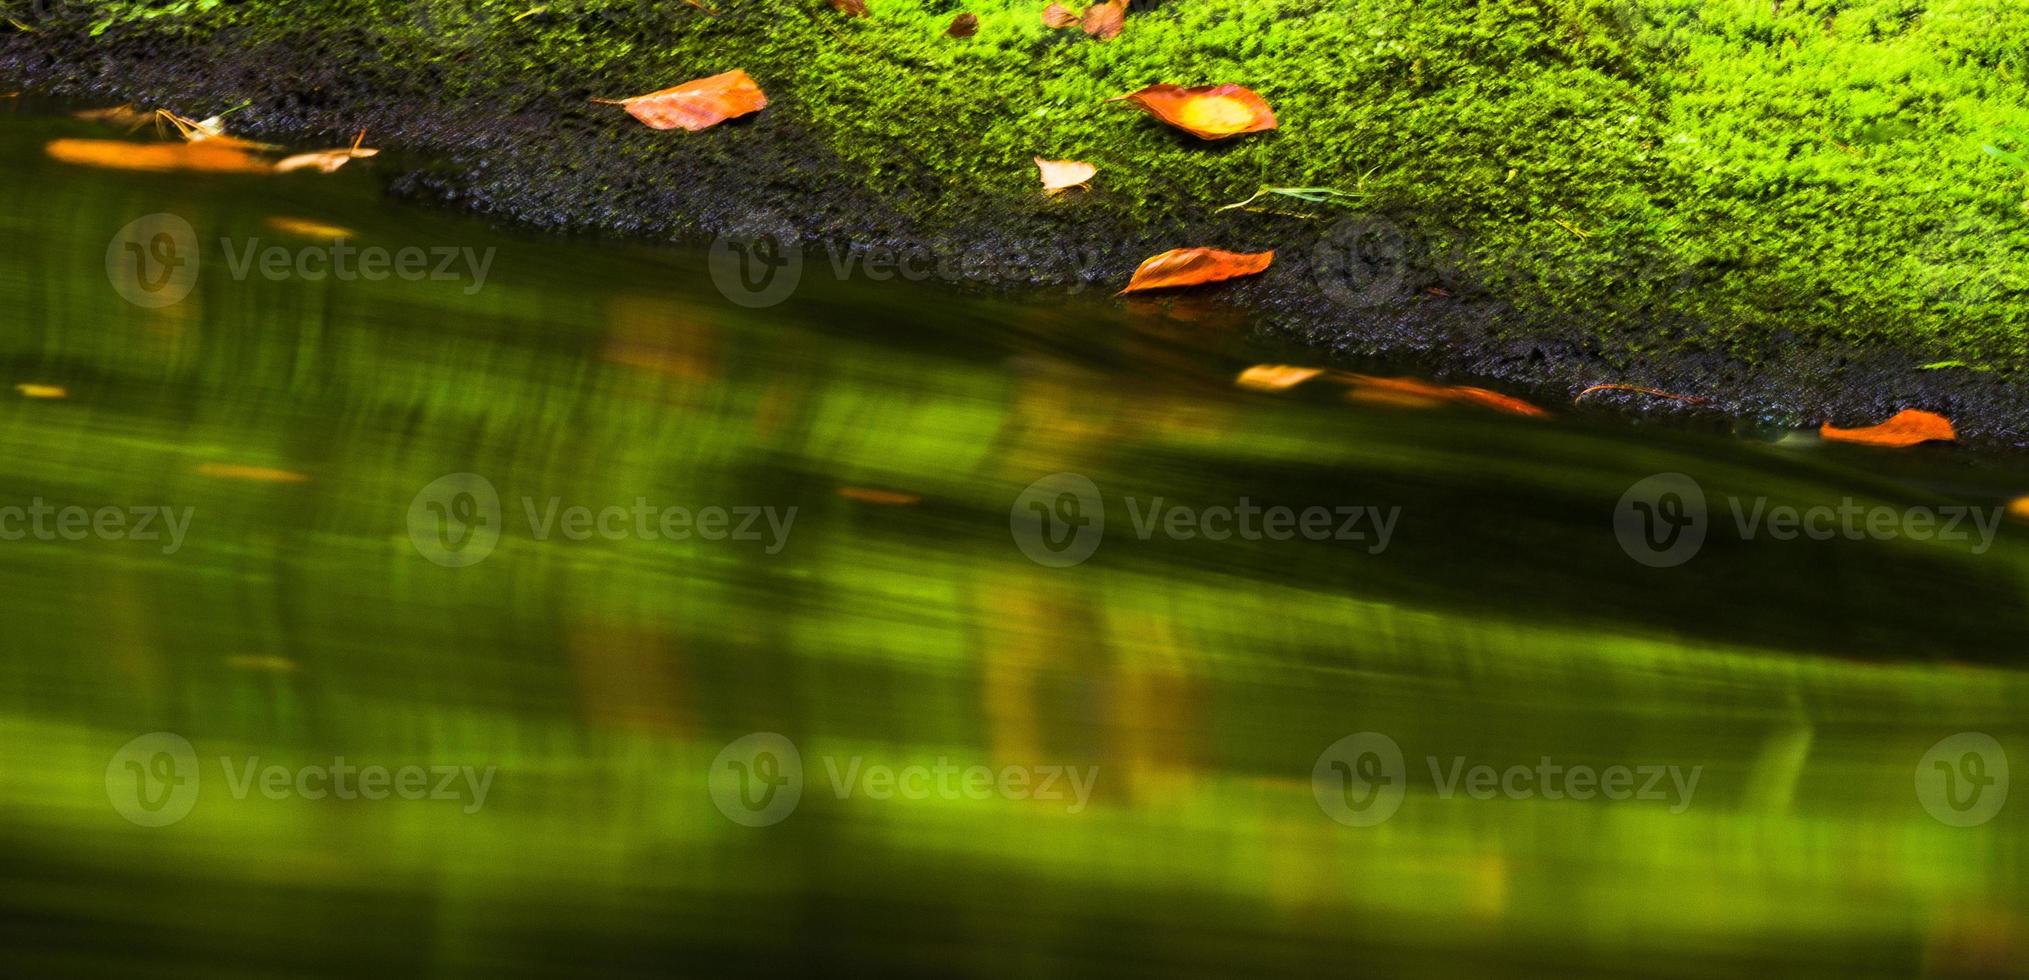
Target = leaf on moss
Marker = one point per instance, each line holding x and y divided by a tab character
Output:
157	157
850	8
1210	112
1194	266
1062	175
1057	16
1275	377
1907	428
699	104
1104	20
964	25
254	474
1417	393
29	389
876	495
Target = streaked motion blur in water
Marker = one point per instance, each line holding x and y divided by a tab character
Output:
581	620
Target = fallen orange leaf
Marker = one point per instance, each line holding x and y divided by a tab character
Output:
964	25
30	390
157	157
1907	428
1192	266
1104	20
887	498
257	474
1210	112
1062	175
1276	377
1057	16
1417	393
850	8
2018	508
119	115
699	104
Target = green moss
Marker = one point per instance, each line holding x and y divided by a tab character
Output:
1809	168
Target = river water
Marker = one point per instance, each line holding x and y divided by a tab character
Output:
562	614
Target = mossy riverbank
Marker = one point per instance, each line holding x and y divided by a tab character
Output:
1791	207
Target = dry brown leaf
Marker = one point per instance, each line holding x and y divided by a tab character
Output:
695	105
1417	393
850	8
885	498
257	474
1208	112
1907	428
157	157
119	115
32	390
964	25
1062	175
1276	377
1104	20
1692	399
1192	266
1057	16
305	228
326	160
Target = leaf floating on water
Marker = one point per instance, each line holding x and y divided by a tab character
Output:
271	664
885	498
1194	266
1692	399
1908	427
255	474
1104	20
964	25
305	228
1417	393
850	8
1211	112
1276	377
326	161
1062	175
1057	16
699	104
31	390
157	157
